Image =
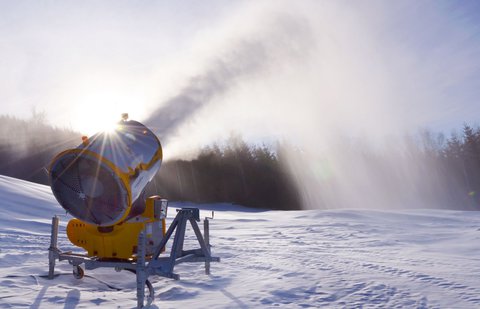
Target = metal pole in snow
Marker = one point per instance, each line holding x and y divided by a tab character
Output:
206	235
141	275
53	247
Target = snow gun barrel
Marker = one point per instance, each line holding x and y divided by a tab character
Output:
100	181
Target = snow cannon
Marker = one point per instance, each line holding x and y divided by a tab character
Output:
102	182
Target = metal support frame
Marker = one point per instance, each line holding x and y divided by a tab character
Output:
145	267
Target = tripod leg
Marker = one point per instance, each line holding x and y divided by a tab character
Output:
140	271
206	235
53	248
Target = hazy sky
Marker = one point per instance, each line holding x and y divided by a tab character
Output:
78	60
370	65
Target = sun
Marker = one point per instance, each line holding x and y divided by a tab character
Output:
96	104
97	114
108	127
102	118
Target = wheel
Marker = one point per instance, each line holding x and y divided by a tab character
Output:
78	272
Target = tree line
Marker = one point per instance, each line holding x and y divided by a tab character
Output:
236	173
28	146
459	158
430	169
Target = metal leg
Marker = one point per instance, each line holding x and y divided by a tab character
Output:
166	238
206	235
141	275
53	248
180	236
177	246
201	241
177	254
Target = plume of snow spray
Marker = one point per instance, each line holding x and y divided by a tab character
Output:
244	58
319	77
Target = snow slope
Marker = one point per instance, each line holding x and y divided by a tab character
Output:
301	259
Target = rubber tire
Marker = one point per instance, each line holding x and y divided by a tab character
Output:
78	272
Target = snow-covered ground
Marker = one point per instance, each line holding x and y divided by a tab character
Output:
299	259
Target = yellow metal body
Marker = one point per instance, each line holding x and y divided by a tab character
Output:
99	181
117	241
125	177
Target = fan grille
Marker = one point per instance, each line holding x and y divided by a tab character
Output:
88	189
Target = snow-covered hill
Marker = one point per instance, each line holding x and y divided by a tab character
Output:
301	259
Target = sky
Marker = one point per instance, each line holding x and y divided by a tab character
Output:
83	62
265	69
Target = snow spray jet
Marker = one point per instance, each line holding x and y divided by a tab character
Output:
335	80
263	55
286	37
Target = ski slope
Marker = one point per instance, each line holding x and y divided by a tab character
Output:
298	259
